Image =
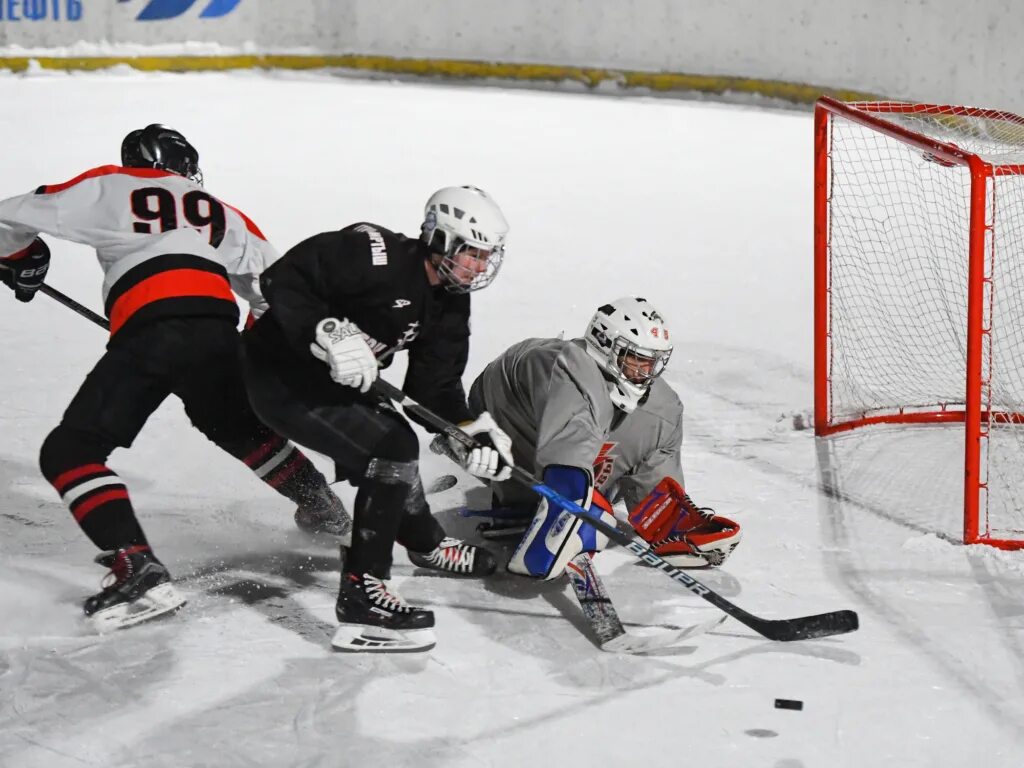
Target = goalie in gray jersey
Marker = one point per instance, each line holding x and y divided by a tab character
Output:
593	417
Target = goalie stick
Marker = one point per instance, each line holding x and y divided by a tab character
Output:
604	620
799	628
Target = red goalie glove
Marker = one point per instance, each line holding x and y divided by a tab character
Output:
684	534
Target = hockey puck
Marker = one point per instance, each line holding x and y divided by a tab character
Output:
788	704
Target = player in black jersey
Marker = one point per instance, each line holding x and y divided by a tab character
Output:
341	305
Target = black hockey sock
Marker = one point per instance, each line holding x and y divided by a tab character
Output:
288	471
379	507
98	499
419	530
100	504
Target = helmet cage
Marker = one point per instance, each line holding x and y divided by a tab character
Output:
458	266
635	364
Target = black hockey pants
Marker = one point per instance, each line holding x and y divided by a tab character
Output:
195	358
372	446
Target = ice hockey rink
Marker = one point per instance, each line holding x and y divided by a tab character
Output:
703	208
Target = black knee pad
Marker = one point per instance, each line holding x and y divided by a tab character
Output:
65	448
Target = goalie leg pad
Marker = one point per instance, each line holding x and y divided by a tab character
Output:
556	536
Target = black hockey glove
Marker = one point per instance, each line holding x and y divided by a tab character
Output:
25	274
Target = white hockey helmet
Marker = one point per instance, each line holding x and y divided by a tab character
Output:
467	229
630	341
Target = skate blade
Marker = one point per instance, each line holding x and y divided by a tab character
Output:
158	601
360	638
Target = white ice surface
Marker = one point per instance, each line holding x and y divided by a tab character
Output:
706	210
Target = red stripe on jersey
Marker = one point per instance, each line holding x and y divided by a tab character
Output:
104	170
172	284
92	502
62	481
249	223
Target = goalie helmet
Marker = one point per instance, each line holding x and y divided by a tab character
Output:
163	148
629	340
467	230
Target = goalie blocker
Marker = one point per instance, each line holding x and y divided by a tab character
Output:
684	534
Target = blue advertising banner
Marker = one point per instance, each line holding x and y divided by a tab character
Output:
40	10
159	10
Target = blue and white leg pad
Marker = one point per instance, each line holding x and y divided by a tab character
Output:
556	536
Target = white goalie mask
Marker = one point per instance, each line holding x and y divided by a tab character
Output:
630	341
468	230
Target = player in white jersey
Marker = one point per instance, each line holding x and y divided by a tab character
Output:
170	254
594	418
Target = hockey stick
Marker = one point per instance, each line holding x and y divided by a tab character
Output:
70	303
799	628
593	598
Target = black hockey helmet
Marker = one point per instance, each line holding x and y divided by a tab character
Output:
157	146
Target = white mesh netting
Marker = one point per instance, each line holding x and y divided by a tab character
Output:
899	232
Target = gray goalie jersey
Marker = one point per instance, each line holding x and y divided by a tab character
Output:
552	399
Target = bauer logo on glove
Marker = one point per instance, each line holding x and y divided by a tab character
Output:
25	271
683	534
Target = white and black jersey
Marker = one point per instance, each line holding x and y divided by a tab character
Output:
166	246
376	279
551	398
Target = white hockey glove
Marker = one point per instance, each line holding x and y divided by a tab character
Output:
342	346
492	460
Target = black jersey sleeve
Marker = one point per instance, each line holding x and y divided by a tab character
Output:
312	281
437	362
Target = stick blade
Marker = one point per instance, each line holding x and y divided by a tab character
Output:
632	643
809	627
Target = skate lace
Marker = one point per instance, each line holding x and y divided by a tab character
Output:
121	569
452	555
378	592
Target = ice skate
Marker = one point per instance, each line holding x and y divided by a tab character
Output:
326	514
138	588
456	556
375	619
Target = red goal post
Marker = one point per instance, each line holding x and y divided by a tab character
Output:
919	287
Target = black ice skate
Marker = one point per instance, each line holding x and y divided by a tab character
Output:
325	514
138	588
375	619
456	556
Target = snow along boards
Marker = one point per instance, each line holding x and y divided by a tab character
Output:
604	620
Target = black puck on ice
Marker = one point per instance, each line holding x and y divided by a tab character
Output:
788	704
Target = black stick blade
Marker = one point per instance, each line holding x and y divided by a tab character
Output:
808	627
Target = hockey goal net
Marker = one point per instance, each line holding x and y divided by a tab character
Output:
919	287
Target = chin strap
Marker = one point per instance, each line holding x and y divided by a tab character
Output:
625	397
